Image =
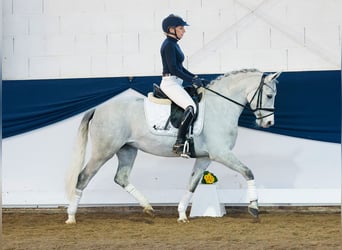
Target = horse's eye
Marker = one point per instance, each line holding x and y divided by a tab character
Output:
269	96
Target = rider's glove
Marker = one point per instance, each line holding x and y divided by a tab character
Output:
205	82
197	82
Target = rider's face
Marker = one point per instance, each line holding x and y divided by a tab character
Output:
179	30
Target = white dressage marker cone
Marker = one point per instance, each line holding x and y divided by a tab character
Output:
206	202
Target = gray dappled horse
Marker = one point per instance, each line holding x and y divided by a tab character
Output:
118	128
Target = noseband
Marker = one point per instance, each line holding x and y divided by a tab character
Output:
258	94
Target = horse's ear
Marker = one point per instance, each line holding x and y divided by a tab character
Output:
271	77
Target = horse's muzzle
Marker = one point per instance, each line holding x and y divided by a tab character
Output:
265	123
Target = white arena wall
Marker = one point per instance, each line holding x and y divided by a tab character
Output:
97	38
49	39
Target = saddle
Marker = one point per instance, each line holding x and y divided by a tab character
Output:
176	114
177	111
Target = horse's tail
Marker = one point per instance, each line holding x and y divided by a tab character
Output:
77	159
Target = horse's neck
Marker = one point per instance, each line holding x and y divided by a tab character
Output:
237	87
220	110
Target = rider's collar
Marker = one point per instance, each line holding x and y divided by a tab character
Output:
172	38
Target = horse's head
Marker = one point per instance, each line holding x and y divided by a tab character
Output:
261	100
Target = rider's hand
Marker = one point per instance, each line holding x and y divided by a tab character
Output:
205	82
197	82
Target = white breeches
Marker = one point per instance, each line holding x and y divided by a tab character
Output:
172	87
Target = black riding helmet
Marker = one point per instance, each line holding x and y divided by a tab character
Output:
172	21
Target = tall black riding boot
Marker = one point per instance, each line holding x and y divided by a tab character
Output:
187	119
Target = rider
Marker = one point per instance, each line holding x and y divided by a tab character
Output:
174	74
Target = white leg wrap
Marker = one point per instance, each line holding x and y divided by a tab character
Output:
252	192
183	204
74	202
137	195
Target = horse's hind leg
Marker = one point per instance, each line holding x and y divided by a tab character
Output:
200	166
84	178
126	156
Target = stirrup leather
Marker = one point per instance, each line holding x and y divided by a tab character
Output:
178	147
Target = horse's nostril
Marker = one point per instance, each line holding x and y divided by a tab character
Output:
269	123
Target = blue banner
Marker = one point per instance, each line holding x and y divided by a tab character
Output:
308	104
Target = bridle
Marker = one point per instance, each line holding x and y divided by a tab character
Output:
257	94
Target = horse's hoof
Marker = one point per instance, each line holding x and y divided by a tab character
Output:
71	220
254	212
182	220
149	210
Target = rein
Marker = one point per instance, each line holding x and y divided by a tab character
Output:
257	93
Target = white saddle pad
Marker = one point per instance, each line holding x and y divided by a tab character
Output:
157	115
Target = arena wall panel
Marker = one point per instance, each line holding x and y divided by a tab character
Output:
55	29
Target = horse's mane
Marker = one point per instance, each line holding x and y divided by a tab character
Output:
234	73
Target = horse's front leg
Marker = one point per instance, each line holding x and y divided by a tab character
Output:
231	161
200	166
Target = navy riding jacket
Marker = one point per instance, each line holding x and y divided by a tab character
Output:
172	59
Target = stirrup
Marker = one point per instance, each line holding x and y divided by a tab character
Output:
186	147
